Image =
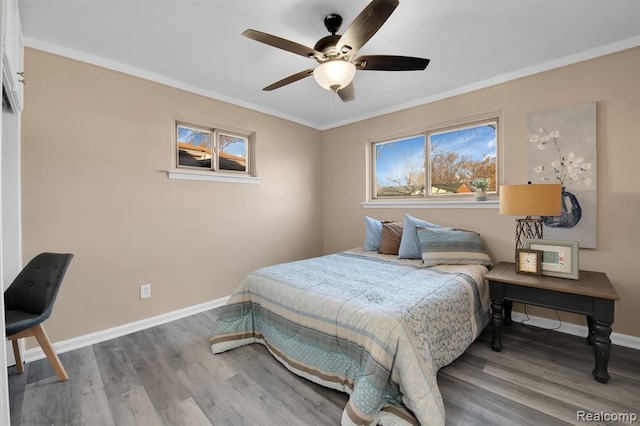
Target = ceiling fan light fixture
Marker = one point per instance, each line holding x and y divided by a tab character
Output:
335	74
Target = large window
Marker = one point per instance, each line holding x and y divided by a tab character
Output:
203	148
450	162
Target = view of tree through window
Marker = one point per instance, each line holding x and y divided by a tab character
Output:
194	147
233	152
459	156
211	149
400	167
459	159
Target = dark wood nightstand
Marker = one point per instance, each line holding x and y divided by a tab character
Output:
591	295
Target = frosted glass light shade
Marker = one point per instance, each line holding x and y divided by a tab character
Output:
334	75
531	200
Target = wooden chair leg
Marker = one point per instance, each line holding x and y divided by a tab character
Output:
17	356
41	336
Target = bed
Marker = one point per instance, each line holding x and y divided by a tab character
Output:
372	325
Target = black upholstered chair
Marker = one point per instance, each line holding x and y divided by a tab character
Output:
28	302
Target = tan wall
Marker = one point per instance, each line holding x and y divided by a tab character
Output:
612	81
97	143
96	147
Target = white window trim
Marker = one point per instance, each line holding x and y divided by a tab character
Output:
227	176
212	176
492	202
466	204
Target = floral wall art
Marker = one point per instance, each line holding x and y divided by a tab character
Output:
562	149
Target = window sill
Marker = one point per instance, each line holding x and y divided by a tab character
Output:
212	177
470	204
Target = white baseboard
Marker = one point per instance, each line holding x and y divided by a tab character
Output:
111	333
575	329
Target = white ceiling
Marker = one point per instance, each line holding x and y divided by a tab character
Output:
197	45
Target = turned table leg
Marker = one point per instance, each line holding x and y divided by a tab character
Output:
508	305
601	350
496	325
590	326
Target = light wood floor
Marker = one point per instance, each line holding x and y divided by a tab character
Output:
167	375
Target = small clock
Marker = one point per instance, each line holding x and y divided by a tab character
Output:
528	261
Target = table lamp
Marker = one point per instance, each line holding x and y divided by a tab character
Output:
530	200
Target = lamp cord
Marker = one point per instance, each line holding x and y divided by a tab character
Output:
540	328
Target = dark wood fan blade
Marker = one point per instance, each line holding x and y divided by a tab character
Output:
288	80
366	24
347	93
281	43
390	63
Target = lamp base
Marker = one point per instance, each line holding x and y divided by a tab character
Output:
527	228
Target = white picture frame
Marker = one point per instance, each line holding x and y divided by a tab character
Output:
559	258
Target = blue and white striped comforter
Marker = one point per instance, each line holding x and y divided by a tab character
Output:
377	329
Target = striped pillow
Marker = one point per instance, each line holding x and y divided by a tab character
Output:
446	246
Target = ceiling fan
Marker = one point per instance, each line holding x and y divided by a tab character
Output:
335	53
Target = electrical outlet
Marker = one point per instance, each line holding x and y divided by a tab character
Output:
145	291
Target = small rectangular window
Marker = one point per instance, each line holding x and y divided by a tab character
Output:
446	162
233	151
217	150
195	147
